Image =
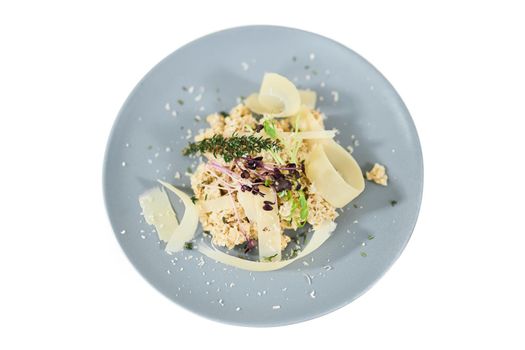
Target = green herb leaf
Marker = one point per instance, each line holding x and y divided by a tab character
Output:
371	237
304	206
232	147
269	258
193	199
269	128
393	203
180	102
364	255
188	245
224	113
267	182
294	206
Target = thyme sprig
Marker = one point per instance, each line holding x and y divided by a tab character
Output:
232	147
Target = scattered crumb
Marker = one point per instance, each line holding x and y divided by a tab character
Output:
177	175
167	106
245	66
312	56
276	307
335	95
378	175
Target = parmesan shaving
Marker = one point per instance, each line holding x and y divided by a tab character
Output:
267	222
246	201
268	226
157	211
252	102
308	98
277	97
312	135
307	122
334	172
188	225
319	236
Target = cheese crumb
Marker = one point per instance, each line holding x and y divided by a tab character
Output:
378	175
335	95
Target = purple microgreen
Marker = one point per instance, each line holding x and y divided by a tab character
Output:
250	244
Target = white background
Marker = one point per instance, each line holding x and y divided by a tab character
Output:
65	70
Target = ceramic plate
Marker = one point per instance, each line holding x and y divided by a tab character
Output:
212	74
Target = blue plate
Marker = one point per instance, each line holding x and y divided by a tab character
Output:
211	74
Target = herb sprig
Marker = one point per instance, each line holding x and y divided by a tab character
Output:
232	147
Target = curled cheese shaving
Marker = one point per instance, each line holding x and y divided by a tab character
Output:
306	121
188	225
157	211
267	222
311	135
308	98
268	227
334	172
252	102
319	236
277	97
